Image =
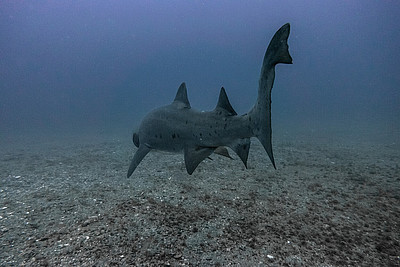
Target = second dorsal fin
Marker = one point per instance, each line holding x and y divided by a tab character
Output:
224	105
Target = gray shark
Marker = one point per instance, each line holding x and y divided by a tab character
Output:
177	127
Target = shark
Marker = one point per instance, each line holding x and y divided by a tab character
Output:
178	127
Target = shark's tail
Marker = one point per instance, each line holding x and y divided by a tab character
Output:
277	52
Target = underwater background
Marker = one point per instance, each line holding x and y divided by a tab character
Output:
77	77
73	66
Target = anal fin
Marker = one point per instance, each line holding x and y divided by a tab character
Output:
195	155
241	148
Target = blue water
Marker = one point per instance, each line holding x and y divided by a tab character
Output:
76	78
69	66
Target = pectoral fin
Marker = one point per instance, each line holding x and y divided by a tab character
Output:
137	158
195	155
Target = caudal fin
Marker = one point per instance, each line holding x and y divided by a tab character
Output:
277	52
278	49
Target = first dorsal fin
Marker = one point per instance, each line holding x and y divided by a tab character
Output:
224	105
181	98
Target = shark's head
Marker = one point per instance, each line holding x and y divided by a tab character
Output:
135	139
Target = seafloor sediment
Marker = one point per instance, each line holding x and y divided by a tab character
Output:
327	204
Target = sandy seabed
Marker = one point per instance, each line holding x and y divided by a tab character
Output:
328	204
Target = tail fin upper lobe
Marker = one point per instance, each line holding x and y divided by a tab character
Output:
277	52
278	49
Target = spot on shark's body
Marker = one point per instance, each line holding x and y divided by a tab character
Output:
178	127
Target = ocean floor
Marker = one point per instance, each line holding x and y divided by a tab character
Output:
68	202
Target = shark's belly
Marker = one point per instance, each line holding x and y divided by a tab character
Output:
171	131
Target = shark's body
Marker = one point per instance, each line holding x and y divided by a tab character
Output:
177	127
